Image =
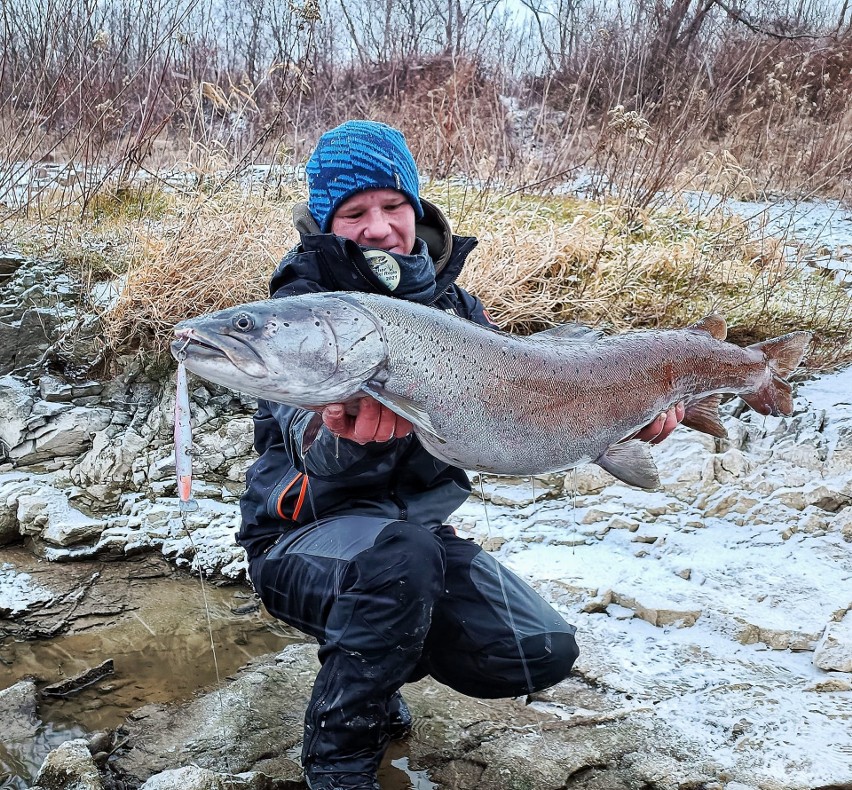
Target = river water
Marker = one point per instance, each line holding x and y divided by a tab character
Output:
161	648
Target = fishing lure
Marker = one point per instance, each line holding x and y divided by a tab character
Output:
183	441
183	471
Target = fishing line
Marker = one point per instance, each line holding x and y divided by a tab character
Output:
573	510
527	676
183	518
183	445
512	625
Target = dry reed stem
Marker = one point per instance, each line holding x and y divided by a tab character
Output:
220	255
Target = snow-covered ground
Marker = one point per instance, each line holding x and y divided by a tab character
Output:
721	602
18	591
711	620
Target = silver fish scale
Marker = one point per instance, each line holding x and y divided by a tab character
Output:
523	406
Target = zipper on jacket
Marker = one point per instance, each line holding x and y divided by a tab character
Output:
392	495
403	508
463	257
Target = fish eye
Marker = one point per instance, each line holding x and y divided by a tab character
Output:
243	322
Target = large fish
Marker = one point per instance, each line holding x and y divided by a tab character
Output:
486	400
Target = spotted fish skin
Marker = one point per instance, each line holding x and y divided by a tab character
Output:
486	400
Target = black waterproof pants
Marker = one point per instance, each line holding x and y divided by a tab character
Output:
390	602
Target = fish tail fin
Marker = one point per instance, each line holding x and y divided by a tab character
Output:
783	355
703	415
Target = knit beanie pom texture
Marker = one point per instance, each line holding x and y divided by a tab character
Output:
355	156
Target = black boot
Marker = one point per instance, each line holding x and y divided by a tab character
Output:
400	720
373	641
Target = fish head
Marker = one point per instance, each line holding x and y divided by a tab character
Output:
304	351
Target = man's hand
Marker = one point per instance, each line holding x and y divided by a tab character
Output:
661	427
372	422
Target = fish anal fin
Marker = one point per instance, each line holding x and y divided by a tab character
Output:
632	463
404	407
703	415
774	398
714	324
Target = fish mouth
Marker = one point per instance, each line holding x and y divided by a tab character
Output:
194	345
184	340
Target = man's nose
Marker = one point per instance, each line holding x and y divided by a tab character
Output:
377	225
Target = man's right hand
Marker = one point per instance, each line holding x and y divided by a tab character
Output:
373	422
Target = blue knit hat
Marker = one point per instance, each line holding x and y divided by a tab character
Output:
355	156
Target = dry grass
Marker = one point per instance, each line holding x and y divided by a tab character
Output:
556	261
541	261
219	254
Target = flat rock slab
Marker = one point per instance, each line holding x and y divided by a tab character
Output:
20	722
83	594
254	724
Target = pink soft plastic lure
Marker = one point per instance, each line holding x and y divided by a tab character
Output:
183	442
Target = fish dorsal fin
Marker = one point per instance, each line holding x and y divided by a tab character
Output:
571	332
632	463
404	407
714	324
703	416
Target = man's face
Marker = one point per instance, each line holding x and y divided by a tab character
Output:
381	218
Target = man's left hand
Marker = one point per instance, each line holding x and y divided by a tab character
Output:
661	427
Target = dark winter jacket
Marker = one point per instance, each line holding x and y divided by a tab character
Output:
396	479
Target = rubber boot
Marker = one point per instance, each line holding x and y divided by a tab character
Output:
400	720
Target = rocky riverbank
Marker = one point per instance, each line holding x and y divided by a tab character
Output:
714	616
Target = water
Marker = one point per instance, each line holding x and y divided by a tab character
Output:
161	652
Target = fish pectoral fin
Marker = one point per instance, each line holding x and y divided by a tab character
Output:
311	432
404	408
703	415
632	463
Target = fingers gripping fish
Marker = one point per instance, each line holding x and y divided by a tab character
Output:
485	400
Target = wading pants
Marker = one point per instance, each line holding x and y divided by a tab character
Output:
390	602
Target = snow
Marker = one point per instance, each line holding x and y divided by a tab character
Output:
823	223
18	591
712	621
818	233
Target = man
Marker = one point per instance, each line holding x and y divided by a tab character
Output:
345	529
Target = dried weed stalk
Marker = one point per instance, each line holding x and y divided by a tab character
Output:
221	254
540	262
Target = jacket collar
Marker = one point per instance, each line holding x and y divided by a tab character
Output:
342	265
